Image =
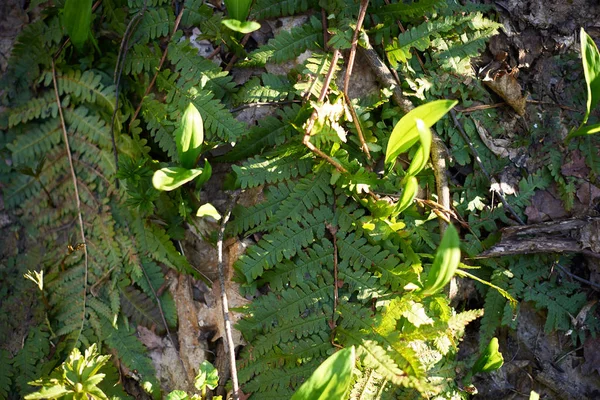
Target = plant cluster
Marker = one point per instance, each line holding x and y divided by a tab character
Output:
110	112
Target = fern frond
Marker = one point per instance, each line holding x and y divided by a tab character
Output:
132	354
246	218
270	132
40	107
267	88
307	265
288	45
140	308
6	374
142	58
85	86
315	70
285	242
279	383
156	23
291	305
360	254
195	68
411	9
308	193
161	128
274	167
28	363
39	140
265	9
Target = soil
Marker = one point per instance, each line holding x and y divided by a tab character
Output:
540	39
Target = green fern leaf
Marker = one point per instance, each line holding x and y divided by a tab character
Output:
411	9
270	132
155	23
140	308
285	242
161	128
288	45
6	374
273	167
266	9
142	58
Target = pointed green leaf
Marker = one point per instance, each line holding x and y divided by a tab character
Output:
422	155
586	130
445	263
591	69
490	360
208	210
238	9
405	133
242	27
178	395
77	18
189	137
408	194
172	177
331	379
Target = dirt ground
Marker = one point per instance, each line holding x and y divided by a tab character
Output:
541	39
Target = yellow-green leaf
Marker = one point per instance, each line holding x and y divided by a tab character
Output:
189	137
77	19
405	133
208	210
241	26
238	9
172	177
490	360
591	69
445	263
408	194
331	379
422	155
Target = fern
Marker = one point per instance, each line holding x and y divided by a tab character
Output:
156	23
133	355
288	45
409	9
272	169
264	9
27	365
268	88
6	374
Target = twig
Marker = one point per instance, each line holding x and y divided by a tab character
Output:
438	151
364	4
480	163
214	53
313	117
77	199
160	64
593	285
224	302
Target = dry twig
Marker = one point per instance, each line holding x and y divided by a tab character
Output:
224	302
77	199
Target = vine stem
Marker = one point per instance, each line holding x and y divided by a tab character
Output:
77	199
160	64
224	302
351	57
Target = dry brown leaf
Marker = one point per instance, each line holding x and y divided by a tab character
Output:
507	87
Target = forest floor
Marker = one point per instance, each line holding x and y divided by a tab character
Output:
540	39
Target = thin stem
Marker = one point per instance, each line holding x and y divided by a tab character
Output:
77	199
224	302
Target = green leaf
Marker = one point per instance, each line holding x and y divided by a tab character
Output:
408	195
238	9
405	133
77	18
208	377
586	130
331	379
242	27
189	137
177	395
591	69
172	177
208	210
422	156
490	360
445	263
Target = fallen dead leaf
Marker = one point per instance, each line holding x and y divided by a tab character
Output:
544	207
